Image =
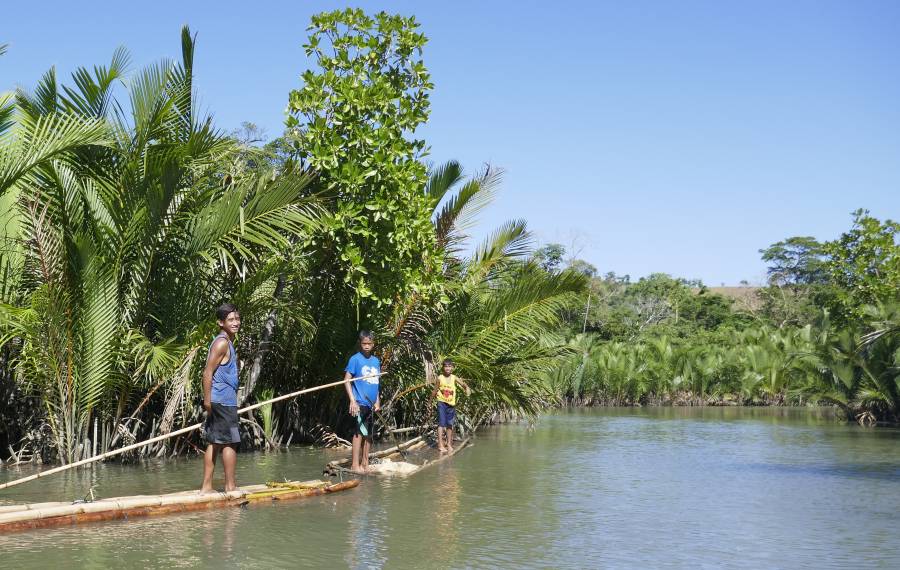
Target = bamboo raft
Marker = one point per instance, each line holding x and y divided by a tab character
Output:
414	454
44	515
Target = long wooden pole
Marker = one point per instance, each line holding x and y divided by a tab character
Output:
188	429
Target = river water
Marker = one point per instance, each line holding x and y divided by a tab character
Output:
617	488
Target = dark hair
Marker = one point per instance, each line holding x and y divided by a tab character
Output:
448	361
365	333
224	310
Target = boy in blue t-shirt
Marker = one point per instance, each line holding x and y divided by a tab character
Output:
364	398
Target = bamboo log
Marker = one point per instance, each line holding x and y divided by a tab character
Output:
408	429
334	466
456	450
188	429
42	515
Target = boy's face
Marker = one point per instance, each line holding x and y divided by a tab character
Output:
367	344
232	323
448	369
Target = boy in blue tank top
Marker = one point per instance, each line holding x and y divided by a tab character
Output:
364	398
220	384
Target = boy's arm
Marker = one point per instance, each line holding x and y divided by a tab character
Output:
354	407
377	403
216	354
464	385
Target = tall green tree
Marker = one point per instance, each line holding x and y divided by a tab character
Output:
864	263
353	122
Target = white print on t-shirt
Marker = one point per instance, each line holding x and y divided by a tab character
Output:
370	371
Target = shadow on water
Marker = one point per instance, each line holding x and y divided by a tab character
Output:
847	471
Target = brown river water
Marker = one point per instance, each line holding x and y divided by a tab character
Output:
599	488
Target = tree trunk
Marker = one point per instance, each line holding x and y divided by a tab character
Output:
265	343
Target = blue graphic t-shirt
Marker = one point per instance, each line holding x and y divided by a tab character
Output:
365	392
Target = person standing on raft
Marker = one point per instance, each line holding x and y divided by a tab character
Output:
364	398
445	391
220	384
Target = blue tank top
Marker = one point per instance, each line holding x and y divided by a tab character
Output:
225	378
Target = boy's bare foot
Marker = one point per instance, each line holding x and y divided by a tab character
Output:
227	490
450	449
442	450
206	492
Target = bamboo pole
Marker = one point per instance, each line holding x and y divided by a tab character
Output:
188	429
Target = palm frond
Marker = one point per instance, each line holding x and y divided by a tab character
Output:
92	93
100	330
510	241
442	179
259	215
460	212
44	100
46	138
7	109
179	390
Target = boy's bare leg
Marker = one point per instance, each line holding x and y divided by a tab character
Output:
229	461
440	439
356	448
209	466
449	439
364	460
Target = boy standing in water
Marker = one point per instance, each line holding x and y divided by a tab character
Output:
364	398
220	384
446	396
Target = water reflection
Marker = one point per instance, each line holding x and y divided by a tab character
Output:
366	531
445	496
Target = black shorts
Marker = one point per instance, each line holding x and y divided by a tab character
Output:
365	422
221	425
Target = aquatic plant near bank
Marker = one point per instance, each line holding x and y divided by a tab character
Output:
856	369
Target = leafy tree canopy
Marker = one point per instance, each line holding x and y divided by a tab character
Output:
796	260
353	122
550	257
865	264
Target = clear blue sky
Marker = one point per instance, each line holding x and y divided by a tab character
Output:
679	137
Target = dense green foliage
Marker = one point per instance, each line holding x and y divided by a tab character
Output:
350	123
823	331
127	218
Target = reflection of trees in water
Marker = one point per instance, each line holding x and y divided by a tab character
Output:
366	535
446	494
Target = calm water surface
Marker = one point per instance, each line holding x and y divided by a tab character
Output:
655	488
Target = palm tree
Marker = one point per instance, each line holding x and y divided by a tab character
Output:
130	238
497	314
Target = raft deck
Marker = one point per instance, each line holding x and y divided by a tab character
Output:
414	455
44	515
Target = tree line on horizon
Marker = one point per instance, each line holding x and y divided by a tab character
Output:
824	330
